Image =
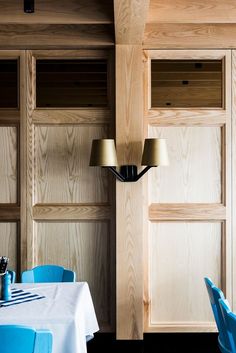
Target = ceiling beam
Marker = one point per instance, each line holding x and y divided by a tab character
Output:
130	19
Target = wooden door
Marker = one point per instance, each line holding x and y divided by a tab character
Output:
188	232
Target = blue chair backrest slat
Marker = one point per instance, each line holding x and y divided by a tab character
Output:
230	322
48	273
23	339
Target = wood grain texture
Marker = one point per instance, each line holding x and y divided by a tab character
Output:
233	191
9	116
195	163
35	36
130	19
62	171
186	117
177	289
9	243
71	212
129	214
165	212
73	116
83	247
8	164
58	12
189	36
185	11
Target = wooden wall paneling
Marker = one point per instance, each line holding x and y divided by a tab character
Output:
171	11
212	213
39	36
130	19
63	188
85	248
9	243
178	294
58	12
204	36
129	209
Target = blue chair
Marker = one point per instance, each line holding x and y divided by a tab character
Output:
48	273
230	322
214	295
23	339
13	275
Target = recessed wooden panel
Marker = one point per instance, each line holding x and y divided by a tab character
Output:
62	172
180	256
194	172
71	83
8	164
85	248
8	83
186	83
8	243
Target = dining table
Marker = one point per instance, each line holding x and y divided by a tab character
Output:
66	309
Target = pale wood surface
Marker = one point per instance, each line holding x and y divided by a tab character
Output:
35	36
9	243
233	245
185	11
58	12
189	36
129	213
130	19
195	163
8	164
62	170
71	212
185	211
76	116
180	256
84	248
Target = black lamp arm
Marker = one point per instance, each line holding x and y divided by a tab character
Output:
143	172
117	174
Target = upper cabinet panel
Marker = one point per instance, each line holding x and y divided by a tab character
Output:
9	83
186	83
71	83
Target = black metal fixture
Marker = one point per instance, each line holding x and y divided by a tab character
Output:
28	6
103	154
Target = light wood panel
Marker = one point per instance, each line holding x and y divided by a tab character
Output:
85	248
62	171
233	191
195	162
8	164
58	12
130	18
129	213
35	36
189	36
188	252
9	243
185	11
181	211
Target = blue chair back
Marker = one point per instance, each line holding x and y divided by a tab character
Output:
230	322
48	273
23	339
13	275
214	295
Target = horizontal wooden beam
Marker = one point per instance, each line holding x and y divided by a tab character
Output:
185	11
9	213
75	212
198	117
71	116
190	36
55	36
9	116
187	212
58	12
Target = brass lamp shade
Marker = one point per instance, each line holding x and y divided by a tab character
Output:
155	152
103	153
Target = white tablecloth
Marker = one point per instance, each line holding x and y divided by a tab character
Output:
67	310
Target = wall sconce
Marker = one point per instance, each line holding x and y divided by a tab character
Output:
103	154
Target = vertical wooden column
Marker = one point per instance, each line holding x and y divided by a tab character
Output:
129	203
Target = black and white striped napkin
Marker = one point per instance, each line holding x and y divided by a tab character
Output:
19	296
